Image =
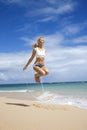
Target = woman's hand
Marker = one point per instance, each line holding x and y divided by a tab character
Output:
25	67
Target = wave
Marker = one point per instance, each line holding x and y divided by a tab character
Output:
51	98
54	98
17	91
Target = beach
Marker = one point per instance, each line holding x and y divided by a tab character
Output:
50	106
23	114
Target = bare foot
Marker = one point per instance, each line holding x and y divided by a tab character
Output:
37	78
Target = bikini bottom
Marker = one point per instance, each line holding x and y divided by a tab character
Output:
39	65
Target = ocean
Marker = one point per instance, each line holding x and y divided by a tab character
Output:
68	93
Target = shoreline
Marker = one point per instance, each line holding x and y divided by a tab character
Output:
28	96
16	114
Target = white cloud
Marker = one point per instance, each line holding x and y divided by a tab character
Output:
46	19
65	64
53	11
73	28
26	40
54	40
3	77
81	39
43	8
11	67
65	8
49	13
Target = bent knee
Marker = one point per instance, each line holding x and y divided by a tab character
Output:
43	72
39	70
47	72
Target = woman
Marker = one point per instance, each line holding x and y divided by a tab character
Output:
38	66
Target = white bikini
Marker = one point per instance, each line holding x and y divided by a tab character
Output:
39	53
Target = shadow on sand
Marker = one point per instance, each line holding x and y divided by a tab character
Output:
18	104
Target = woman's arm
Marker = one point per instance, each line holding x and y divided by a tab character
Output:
30	59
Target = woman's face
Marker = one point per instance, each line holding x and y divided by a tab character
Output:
41	42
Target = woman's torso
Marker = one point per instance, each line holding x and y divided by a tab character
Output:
40	55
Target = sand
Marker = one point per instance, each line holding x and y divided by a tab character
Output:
18	114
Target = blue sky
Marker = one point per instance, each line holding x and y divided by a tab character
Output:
63	24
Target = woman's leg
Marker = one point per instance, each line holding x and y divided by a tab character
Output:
37	78
40	72
44	68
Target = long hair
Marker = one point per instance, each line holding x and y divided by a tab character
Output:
36	44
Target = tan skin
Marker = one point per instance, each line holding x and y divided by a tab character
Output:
43	71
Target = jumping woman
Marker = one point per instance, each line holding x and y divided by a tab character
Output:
39	66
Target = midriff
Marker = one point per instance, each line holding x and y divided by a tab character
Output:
39	60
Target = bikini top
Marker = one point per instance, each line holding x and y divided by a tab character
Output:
40	53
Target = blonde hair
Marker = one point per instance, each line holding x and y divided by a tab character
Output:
36	44
39	39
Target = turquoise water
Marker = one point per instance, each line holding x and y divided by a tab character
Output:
74	94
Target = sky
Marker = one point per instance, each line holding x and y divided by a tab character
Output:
63	25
